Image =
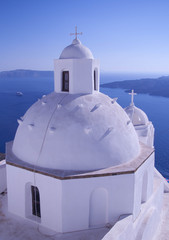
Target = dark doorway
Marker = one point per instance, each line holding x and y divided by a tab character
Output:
35	201
65	81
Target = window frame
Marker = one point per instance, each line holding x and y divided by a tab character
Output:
36	211
65	82
95	80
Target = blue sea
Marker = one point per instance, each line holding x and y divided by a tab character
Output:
13	107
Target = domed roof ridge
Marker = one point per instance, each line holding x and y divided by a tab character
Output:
76	50
136	115
78	132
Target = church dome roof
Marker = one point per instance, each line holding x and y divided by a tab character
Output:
136	115
75	132
76	51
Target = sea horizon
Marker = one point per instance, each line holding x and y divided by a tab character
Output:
13	107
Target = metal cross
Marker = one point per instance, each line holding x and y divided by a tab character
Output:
76	33
132	97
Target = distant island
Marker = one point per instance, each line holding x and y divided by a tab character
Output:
26	74
152	86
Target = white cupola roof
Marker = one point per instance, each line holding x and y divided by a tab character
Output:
136	115
76	71
76	132
141	123
76	51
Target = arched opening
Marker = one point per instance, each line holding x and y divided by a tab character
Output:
35	201
144	187
95	80
65	81
98	212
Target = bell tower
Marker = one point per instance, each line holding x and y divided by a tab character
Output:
76	71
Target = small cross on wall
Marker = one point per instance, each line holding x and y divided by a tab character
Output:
76	33
132	97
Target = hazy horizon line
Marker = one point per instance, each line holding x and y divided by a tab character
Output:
101	71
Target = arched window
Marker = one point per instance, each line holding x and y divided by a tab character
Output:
65	81
98	213
35	201
95	79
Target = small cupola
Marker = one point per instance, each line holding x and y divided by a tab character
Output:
76	70
136	115
144	128
76	50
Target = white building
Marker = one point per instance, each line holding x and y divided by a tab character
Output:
78	161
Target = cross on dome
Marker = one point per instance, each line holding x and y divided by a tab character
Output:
76	33
132	97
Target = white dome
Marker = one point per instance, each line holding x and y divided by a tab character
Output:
76	51
136	115
75	132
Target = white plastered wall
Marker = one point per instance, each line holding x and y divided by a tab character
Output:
124	196
50	197
72	205
60	199
77	195
146	224
81	74
143	186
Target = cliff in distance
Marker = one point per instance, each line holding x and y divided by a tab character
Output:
152	86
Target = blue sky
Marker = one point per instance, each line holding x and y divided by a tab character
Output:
126	35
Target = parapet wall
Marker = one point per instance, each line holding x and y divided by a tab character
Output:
3	184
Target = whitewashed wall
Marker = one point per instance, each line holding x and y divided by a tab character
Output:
77	204
19	197
143	186
146	224
81	74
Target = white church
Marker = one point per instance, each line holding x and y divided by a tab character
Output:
80	161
